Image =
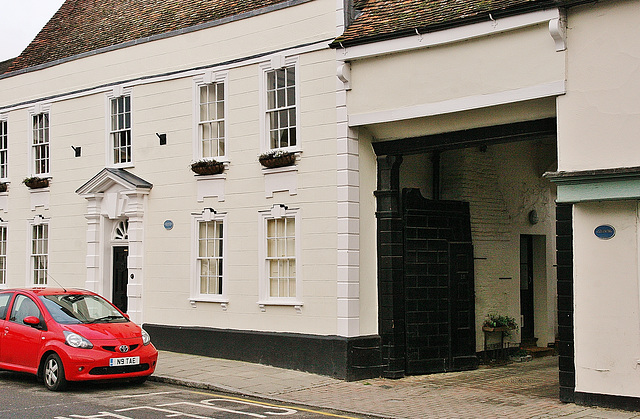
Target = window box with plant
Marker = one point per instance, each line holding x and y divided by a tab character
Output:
4	186
277	158
207	167
499	323
36	182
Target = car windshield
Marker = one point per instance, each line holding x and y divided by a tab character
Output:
81	308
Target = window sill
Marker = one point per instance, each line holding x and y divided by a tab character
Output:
218	300
284	303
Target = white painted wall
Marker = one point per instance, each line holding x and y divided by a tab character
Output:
598	117
165	105
607	299
598	128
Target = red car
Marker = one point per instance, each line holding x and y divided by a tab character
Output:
65	335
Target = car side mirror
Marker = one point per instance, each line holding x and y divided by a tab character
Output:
31	321
126	316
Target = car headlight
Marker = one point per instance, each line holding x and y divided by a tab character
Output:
76	341
146	339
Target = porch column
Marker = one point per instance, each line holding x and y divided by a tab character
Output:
135	214
93	216
391	307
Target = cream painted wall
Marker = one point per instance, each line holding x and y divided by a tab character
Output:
174	197
368	237
607	299
482	66
599	116
165	105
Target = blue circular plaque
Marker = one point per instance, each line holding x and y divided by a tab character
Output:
604	232
168	224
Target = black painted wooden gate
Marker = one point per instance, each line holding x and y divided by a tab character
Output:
439	285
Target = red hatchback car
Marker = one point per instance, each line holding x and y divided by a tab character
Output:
71	335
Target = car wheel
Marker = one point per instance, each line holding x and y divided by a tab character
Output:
54	373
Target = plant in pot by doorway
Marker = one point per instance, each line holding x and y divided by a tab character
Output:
277	158
499	323
207	167
35	182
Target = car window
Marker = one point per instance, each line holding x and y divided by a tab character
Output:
81	308
23	307
4	304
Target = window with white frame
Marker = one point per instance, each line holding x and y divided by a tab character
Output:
280	98
211	121
39	253
3	254
120	129
4	137
209	257
280	277
40	143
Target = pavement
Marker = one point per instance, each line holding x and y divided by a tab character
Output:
515	390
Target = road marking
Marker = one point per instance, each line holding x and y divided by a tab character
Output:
131	396
279	406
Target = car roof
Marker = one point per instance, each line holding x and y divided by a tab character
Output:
48	291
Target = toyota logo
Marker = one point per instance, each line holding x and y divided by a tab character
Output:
123	348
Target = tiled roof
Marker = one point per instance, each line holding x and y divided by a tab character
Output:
4	65
383	19
81	26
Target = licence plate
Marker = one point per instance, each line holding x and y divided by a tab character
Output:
118	362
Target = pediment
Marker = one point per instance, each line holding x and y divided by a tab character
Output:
109	177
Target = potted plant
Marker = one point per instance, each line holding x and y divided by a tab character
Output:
277	158
499	323
207	167
3	186
36	182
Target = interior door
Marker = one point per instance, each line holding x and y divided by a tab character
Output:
526	289
120	277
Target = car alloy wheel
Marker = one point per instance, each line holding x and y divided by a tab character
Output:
54	378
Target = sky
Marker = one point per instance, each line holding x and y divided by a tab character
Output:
20	22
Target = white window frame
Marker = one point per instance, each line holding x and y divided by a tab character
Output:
35	111
196	218
278	211
4	234
4	147
210	77
276	63
116	93
38	221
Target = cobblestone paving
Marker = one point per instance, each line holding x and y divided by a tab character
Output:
517	390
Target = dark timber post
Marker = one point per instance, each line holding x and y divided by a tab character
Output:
564	249
391	310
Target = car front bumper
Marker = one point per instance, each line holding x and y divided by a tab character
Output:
93	364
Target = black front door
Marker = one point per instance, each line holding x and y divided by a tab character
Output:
526	289
438	285
120	277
